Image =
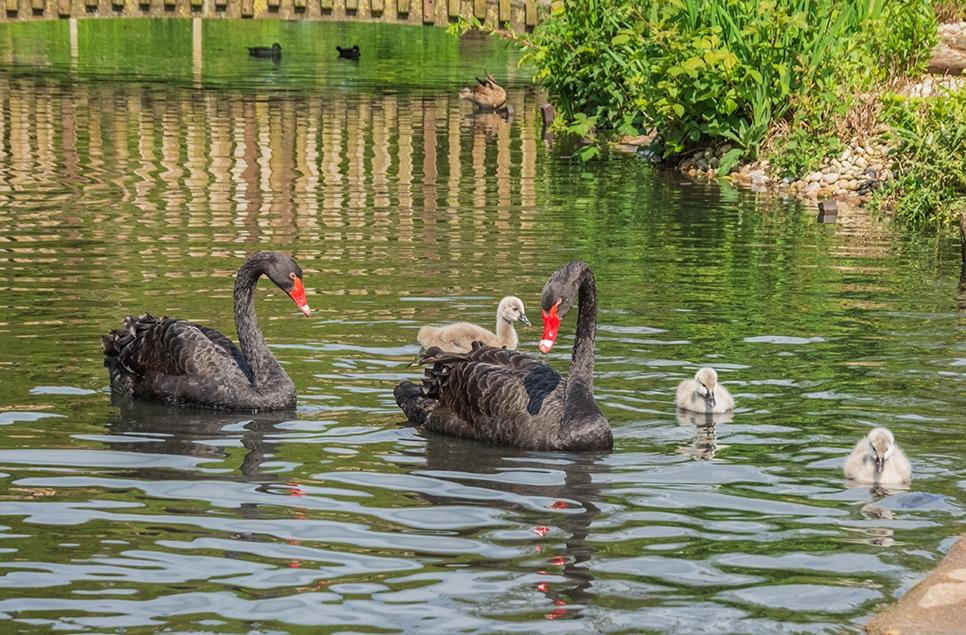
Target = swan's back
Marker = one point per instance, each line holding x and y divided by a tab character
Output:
491	394
167	360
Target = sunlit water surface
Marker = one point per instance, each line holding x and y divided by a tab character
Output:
134	181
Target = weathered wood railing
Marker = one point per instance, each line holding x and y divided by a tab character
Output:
520	14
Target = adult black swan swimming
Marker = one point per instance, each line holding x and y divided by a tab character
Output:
509	398
176	362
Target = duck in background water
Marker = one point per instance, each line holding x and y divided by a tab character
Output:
348	53
274	51
487	96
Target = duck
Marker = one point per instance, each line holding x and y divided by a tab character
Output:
487	96
509	398
172	361
275	50
348	53
877	460
703	393
459	337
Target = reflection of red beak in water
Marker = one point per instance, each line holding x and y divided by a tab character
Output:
298	294
551	326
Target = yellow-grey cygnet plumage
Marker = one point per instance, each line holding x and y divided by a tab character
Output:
703	393
459	337
877	460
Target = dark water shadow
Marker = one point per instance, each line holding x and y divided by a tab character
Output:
160	429
573	510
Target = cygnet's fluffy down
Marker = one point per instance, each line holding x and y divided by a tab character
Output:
877	460
459	337
704	393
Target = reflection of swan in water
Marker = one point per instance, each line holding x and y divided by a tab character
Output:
705	442
578	491
160	429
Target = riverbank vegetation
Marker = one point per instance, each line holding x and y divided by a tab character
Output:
791	81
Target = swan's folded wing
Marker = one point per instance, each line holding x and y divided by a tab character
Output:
491	384
229	346
168	346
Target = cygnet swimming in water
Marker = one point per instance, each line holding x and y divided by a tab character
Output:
704	393
877	460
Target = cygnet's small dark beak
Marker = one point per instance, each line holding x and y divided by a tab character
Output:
523	318
879	464
711	399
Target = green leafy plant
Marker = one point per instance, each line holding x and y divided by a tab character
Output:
930	138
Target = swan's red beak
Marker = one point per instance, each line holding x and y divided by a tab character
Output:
551	325
298	294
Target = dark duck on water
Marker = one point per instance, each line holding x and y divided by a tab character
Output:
275	50
348	53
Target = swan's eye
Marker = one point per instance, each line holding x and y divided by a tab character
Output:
292	276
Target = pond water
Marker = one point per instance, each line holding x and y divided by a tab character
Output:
142	160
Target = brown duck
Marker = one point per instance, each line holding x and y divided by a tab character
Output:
509	398
487	96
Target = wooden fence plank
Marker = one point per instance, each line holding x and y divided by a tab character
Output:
300	4
378	6
37	5
479	9
248	8
429	11
351	5
504	11
326	5
63	7
531	13
402	7
454	8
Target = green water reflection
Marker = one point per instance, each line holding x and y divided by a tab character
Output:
132	180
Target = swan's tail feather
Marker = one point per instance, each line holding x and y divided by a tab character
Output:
414	402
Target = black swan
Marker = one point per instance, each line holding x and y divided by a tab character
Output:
487	96
275	50
459	337
509	398
348	53
176	362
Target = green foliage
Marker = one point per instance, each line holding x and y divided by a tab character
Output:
931	142
705	71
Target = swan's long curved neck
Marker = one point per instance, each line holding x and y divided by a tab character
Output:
505	332
265	368
579	396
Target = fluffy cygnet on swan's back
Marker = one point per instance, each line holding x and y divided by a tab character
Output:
877	460
459	337
703	393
